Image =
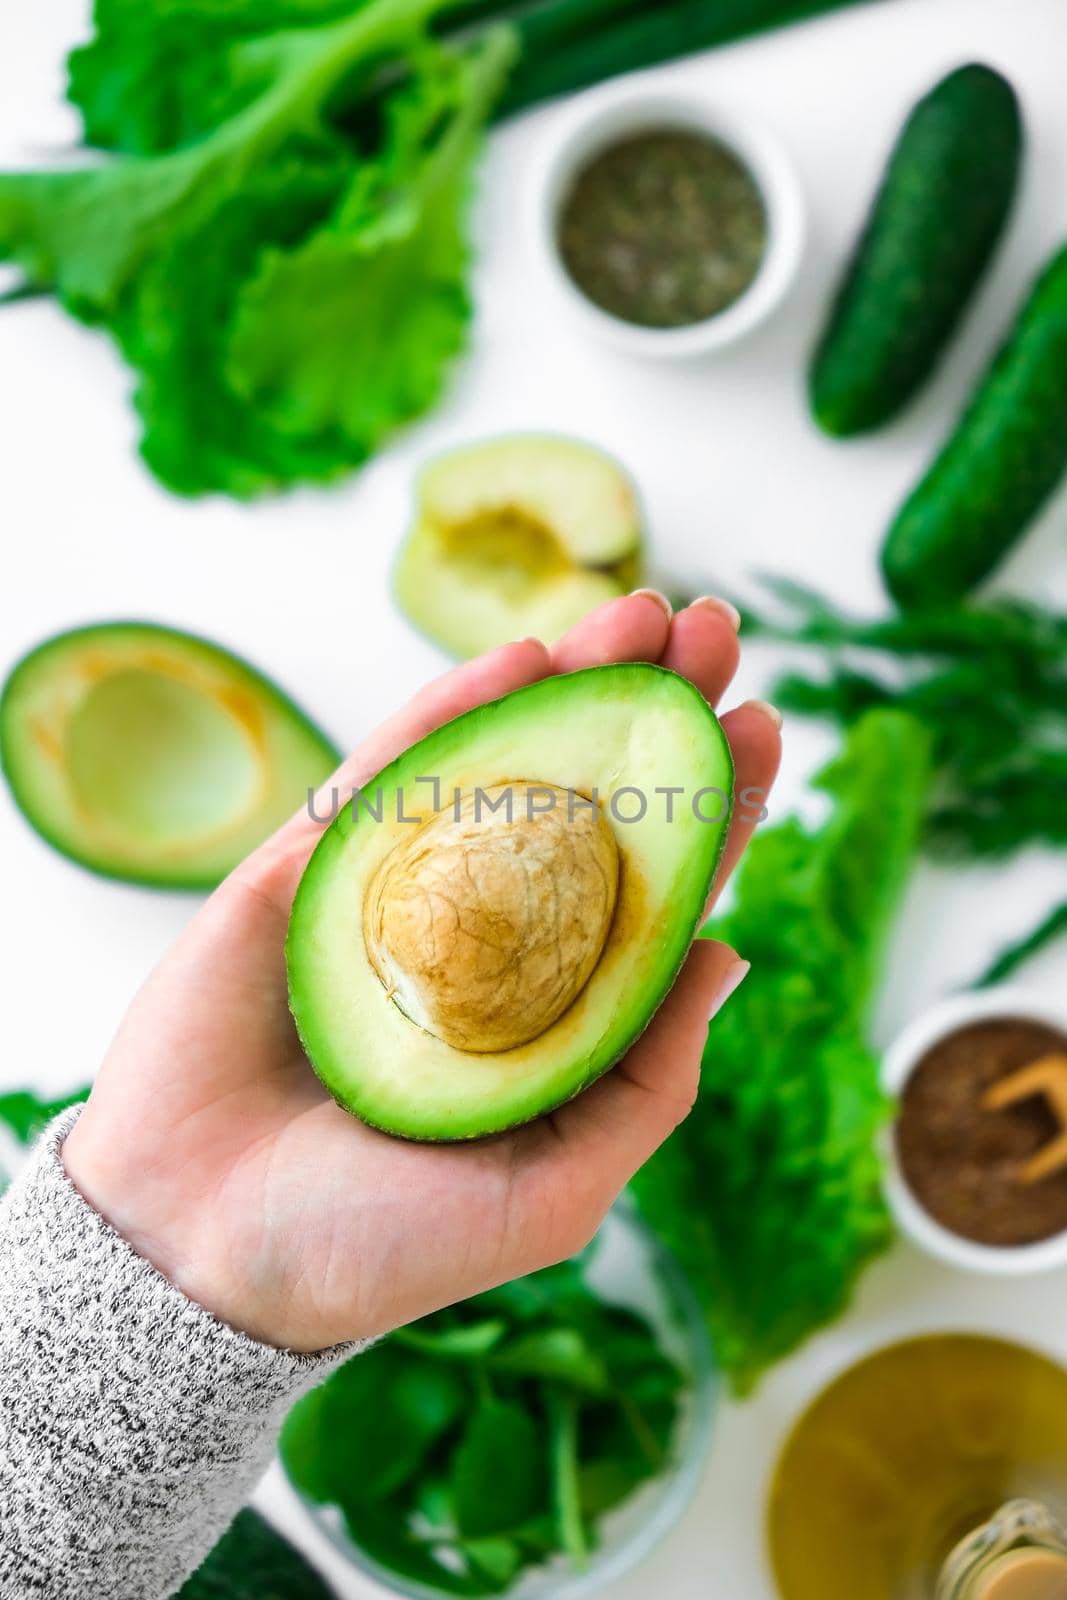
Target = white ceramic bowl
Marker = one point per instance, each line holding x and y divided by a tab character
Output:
900	1062
605	115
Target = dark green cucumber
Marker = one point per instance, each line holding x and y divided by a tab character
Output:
659	30
932	230
1007	455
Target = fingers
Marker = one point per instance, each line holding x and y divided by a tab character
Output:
700	643
703	647
274	870
471	684
614	1127
635	627
754	734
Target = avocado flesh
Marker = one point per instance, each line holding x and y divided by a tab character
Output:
600	730
151	755
517	536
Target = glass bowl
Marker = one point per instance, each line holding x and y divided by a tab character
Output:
628	1267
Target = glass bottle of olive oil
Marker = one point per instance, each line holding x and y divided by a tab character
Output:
907	1454
1020	1554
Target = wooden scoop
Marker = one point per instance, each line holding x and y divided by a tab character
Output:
1047	1077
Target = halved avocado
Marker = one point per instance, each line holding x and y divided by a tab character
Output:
152	755
515	536
458	966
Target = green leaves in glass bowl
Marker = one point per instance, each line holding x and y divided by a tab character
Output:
491	1437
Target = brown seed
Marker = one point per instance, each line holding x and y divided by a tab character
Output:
485	929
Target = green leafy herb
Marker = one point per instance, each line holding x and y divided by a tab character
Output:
492	1436
988	681
1014	955
498	1471
564	1444
769	1193
26	1115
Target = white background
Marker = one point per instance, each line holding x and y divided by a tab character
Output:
735	480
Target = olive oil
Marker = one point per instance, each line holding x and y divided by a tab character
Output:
906	1454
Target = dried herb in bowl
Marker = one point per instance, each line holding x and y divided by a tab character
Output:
663	228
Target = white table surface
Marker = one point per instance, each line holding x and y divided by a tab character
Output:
735	479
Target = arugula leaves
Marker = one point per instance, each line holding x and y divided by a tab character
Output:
769	1193
288	289
990	683
492	1436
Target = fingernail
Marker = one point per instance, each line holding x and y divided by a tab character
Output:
723	608
531	638
660	599
772	713
735	976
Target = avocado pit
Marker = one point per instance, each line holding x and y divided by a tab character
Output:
486	924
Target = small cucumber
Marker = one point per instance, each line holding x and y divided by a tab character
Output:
933	227
1007	455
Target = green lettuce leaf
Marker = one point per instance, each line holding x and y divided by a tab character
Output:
288	292
158	76
351	333
172	328
770	1192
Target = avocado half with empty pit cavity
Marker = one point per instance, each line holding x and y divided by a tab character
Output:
152	755
515	536
472	943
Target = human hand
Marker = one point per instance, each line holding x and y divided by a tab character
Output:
209	1143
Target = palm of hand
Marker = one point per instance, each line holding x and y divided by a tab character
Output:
211	1146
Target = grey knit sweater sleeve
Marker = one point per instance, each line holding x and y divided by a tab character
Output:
133	1425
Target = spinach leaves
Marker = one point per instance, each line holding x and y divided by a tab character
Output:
492	1436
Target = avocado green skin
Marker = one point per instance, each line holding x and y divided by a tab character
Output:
1007	455
684	930
253	1562
100	630
934	225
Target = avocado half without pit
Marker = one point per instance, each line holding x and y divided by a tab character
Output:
490	923
515	536
152	755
